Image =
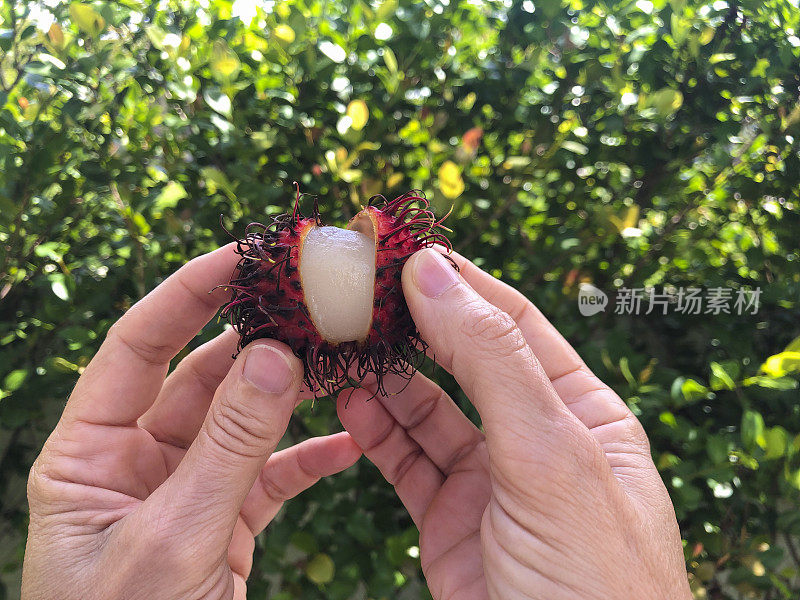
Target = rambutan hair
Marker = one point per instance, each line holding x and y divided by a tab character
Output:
267	297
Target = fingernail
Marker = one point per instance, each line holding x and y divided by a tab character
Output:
268	369
433	275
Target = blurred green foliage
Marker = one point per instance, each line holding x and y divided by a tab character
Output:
618	142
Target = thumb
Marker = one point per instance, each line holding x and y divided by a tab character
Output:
246	420
526	423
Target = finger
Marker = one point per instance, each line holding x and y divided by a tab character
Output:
528	428
555	354
399	458
124	377
290	471
240	549
181	406
430	418
246	420
597	406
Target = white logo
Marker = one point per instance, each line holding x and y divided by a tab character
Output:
591	300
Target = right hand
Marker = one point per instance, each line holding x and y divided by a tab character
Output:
559	498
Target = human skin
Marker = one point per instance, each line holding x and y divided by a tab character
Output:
154	488
557	496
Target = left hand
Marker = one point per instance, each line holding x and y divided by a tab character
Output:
153	488
557	497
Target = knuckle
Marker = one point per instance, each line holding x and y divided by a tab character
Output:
493	329
237	430
632	432
405	464
43	489
35	486
271	488
153	354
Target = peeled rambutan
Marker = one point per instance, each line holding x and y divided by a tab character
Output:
334	296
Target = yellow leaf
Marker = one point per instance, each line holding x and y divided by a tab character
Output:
449	172
666	101
86	18
224	63
394	179
320	569
706	35
779	365
390	59
357	110
56	35
794	345
450	181
284	33
631	217
452	190
351	175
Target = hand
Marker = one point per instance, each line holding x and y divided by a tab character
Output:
155	489
559	498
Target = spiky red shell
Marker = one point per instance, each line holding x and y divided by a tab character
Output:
267	295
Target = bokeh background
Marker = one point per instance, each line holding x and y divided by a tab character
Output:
618	142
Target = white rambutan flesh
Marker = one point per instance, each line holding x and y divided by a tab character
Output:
337	271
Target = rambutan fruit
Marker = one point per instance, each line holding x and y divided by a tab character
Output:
334	296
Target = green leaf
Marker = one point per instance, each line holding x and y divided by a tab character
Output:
304	541
224	65
15	379
575	147
169	197
218	101
53	250
720	378
59	287
776	440
390	59
774	383
753	430
693	390
668	419
745	460
386	10
721	57
679	27
517	162
216	179
156	35
625	369
665	101
717	449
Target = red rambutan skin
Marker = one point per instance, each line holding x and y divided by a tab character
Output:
267	296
